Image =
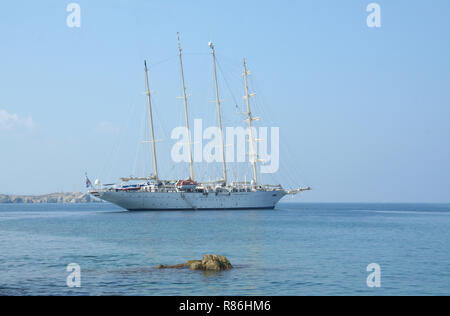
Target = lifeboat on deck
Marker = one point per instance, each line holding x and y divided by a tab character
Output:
186	185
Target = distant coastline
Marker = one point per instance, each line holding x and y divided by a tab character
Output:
71	197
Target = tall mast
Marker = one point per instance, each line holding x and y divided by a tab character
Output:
219	112
191	164
150	116
253	154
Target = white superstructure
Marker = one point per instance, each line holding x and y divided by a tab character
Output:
153	193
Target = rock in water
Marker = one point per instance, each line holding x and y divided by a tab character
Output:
213	263
177	266
208	263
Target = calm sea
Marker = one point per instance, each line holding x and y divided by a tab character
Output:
297	249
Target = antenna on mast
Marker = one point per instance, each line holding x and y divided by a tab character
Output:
152	133
213	53
191	164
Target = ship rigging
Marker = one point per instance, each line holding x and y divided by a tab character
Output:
155	193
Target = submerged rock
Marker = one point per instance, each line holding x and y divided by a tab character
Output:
208	263
177	266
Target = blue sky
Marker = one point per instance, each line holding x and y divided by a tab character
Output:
363	112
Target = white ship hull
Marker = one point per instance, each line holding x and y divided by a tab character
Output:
138	200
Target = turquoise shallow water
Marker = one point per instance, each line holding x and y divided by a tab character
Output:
297	249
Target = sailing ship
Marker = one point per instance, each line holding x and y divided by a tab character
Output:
155	193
